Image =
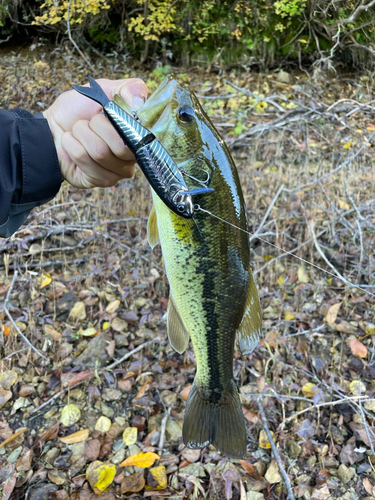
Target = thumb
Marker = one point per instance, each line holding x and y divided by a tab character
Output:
132	90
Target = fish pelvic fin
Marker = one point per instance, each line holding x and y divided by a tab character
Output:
177	334
221	424
250	330
152	228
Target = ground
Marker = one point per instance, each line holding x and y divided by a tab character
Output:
87	373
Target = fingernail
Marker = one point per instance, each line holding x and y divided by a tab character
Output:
137	102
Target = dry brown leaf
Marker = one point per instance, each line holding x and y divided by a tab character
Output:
8	487
133	483
358	349
368	486
76	437
50	434
273	475
332	313
4	396
92	449
141	460
13	436
185	392
113	306
24	461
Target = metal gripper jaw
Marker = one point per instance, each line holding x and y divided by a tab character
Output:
94	92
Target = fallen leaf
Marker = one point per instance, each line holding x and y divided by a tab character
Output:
358	349
13	436
332	313
250	415
273	475
6	330
44	280
113	306
157	478
185	392
303	277
289	315
368	486
347	145
8	378
70	415
130	435
92	449
141	460
89	332
76	437
357	387
25	460
133	483
343	205
321	493
263	439
309	389
100	476
103	424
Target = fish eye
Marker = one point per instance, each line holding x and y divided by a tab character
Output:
186	114
181	207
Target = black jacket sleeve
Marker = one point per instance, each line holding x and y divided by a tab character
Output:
29	169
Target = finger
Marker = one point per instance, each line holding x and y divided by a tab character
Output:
91	173
104	129
98	149
133	90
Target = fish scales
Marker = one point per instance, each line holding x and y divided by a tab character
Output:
212	293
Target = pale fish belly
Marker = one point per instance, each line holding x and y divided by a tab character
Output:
186	284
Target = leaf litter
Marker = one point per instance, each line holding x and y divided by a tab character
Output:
90	292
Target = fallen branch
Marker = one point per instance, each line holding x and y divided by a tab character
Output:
275	451
6	311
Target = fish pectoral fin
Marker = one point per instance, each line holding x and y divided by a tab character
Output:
250	330
177	334
152	229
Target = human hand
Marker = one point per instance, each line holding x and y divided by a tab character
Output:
90	151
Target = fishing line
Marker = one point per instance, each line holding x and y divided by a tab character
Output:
198	207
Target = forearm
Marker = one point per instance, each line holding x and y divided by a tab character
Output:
29	168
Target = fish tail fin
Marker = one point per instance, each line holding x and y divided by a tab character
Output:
221	424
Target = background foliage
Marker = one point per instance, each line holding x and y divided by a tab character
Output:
241	32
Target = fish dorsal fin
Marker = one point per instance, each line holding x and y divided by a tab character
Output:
120	102
152	228
250	330
177	334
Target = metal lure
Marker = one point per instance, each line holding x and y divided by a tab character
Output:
155	162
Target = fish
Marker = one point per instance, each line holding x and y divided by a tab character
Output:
155	162
213	297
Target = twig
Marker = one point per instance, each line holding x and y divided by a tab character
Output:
275	451
71	38
128	355
327	403
6	310
267	213
162	430
255	96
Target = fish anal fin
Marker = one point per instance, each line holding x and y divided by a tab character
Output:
250	330
177	334
152	229
221	424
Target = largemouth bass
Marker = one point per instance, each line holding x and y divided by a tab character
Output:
212	292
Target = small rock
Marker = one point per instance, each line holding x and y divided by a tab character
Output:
173	429
95	353
119	457
119	325
107	410
57	477
112	395
283	77
13	457
273	475
345	473
131	317
336	435
42	492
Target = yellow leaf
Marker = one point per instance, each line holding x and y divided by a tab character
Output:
13	436
357	387
332	313
289	315
263	439
100	476
159	475
347	145
358	349
8	378
280	280
309	390
77	437
302	40
103	424
372	129
343	205
70	415
89	332
130	436
105	325
302	275
141	460
44	280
